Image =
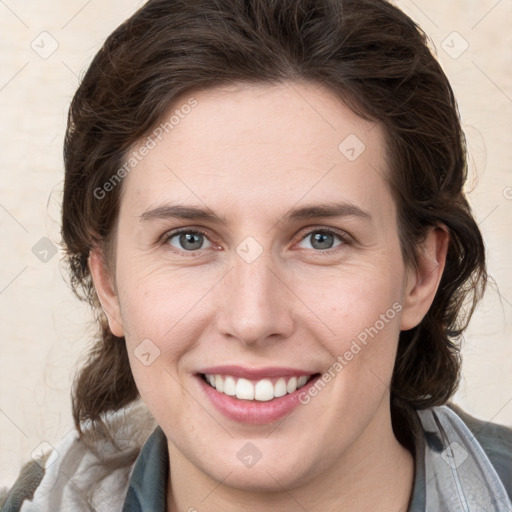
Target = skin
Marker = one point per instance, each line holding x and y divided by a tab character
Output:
251	154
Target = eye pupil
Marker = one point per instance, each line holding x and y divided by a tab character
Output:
320	238
186	238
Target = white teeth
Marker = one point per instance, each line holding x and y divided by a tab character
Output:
262	390
280	388
230	386
292	385
219	383
244	389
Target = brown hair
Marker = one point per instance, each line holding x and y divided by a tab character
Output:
373	56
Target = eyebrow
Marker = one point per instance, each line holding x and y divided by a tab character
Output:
207	215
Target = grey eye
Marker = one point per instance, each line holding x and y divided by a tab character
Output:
188	240
321	239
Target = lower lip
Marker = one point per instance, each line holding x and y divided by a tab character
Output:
253	411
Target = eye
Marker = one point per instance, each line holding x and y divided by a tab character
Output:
193	240
323	239
189	240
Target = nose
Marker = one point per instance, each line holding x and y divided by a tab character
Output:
256	302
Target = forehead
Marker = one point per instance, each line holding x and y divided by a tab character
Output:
244	146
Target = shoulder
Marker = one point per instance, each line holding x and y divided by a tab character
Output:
496	441
83	471
24	488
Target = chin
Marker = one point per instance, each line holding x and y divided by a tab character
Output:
263	480
265	476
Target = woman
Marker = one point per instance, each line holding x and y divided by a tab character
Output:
263	202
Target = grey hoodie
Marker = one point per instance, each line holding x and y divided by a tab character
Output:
461	465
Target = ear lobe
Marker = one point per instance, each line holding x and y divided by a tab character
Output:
423	281
103	283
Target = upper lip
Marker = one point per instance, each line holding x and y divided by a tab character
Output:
254	373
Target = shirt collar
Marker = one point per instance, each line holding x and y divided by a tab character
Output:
147	489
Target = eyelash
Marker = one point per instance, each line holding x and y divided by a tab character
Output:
342	236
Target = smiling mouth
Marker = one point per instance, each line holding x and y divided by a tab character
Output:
262	390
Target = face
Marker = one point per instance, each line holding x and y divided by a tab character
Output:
281	265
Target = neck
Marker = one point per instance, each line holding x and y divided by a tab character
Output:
375	473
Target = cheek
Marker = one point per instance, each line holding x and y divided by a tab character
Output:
360	325
159	310
350	302
158	302
161	314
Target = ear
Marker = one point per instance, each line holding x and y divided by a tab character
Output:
105	289
422	282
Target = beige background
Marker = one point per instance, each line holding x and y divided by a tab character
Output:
44	329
